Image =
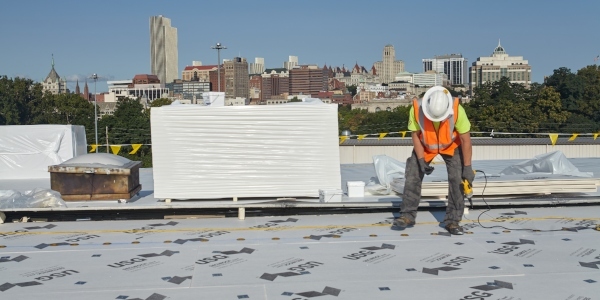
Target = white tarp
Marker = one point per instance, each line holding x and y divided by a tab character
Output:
204	152
26	151
548	163
387	170
36	198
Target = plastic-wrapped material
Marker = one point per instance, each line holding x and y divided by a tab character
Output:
99	160
36	198
214	98
549	163
26	151
387	169
206	152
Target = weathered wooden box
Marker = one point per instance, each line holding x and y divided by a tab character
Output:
93	181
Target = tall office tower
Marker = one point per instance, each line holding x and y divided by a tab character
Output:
389	67
291	63
258	66
500	64
454	66
237	81
308	80
163	49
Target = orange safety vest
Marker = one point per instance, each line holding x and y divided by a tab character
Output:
441	141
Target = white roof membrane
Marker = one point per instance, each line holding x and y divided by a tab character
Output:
302	257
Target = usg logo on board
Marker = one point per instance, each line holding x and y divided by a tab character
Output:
484	291
300	269
368	251
223	255
512	246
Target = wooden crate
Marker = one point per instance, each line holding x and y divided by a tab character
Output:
96	182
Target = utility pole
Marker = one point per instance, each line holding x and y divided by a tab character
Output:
95	77
219	47
106	139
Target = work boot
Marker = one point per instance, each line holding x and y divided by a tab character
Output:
403	222
454	229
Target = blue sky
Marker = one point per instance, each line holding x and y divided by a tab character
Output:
111	38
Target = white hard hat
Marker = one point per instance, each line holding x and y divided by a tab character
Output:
437	104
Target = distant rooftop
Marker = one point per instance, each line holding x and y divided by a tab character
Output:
207	67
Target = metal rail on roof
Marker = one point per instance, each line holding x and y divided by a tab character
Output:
476	141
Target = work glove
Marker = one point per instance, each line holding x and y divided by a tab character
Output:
468	174
424	167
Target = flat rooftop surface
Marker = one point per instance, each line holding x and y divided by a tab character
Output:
346	256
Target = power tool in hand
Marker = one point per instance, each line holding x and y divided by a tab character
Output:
468	190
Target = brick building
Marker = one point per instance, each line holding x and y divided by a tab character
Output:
236	78
197	73
308	80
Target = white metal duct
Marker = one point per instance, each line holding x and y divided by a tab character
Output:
204	152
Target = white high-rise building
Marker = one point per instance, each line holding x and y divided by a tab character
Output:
291	63
389	67
257	67
453	66
425	79
500	64
163	49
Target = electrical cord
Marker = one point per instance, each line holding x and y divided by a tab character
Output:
503	227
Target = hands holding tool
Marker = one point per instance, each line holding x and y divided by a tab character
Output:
468	174
424	167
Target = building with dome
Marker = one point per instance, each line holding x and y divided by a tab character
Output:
500	64
53	83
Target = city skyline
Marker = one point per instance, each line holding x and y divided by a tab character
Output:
88	38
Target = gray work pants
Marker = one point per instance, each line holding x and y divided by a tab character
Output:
412	188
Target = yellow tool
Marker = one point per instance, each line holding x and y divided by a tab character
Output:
468	190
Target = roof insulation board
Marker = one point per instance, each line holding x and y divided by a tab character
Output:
206	152
351	256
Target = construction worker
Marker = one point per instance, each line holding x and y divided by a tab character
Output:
439	125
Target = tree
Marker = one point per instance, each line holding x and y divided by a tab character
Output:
295	99
580	96
129	124
569	86
548	108
504	106
590	104
72	109
16	98
360	121
352	89
160	102
578	123
42	109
